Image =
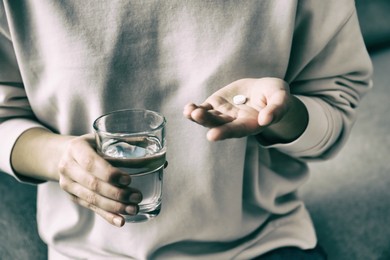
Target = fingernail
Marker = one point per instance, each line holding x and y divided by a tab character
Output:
124	180
135	197
132	210
118	222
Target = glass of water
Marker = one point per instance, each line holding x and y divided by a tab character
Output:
134	141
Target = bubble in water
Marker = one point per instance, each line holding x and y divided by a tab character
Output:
152	149
125	150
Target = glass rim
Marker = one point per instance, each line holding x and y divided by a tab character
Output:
160	126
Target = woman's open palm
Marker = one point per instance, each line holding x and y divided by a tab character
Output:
267	100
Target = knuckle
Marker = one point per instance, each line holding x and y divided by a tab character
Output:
88	163
93	184
119	195
91	199
91	206
112	174
111	170
119	207
73	146
79	147
83	203
63	166
63	184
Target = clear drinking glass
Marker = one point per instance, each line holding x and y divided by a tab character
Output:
134	141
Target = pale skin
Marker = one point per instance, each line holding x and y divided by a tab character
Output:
270	113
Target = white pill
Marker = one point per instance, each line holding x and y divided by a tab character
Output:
239	99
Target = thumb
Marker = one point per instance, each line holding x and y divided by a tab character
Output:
265	116
270	114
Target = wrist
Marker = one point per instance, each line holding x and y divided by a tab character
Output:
37	152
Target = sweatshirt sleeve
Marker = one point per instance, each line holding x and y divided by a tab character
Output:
330	71
16	115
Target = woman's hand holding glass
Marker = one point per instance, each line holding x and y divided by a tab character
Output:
95	184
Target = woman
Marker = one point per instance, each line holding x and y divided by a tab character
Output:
299	68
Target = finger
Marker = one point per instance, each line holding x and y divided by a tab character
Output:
124	194
188	110
235	129
265	116
210	118
191	107
206	106
87	158
274	110
114	219
270	114
93	200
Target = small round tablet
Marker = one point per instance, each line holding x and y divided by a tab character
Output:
239	99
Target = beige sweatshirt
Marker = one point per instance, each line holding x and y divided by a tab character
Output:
64	63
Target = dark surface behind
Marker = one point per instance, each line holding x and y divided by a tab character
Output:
19	238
